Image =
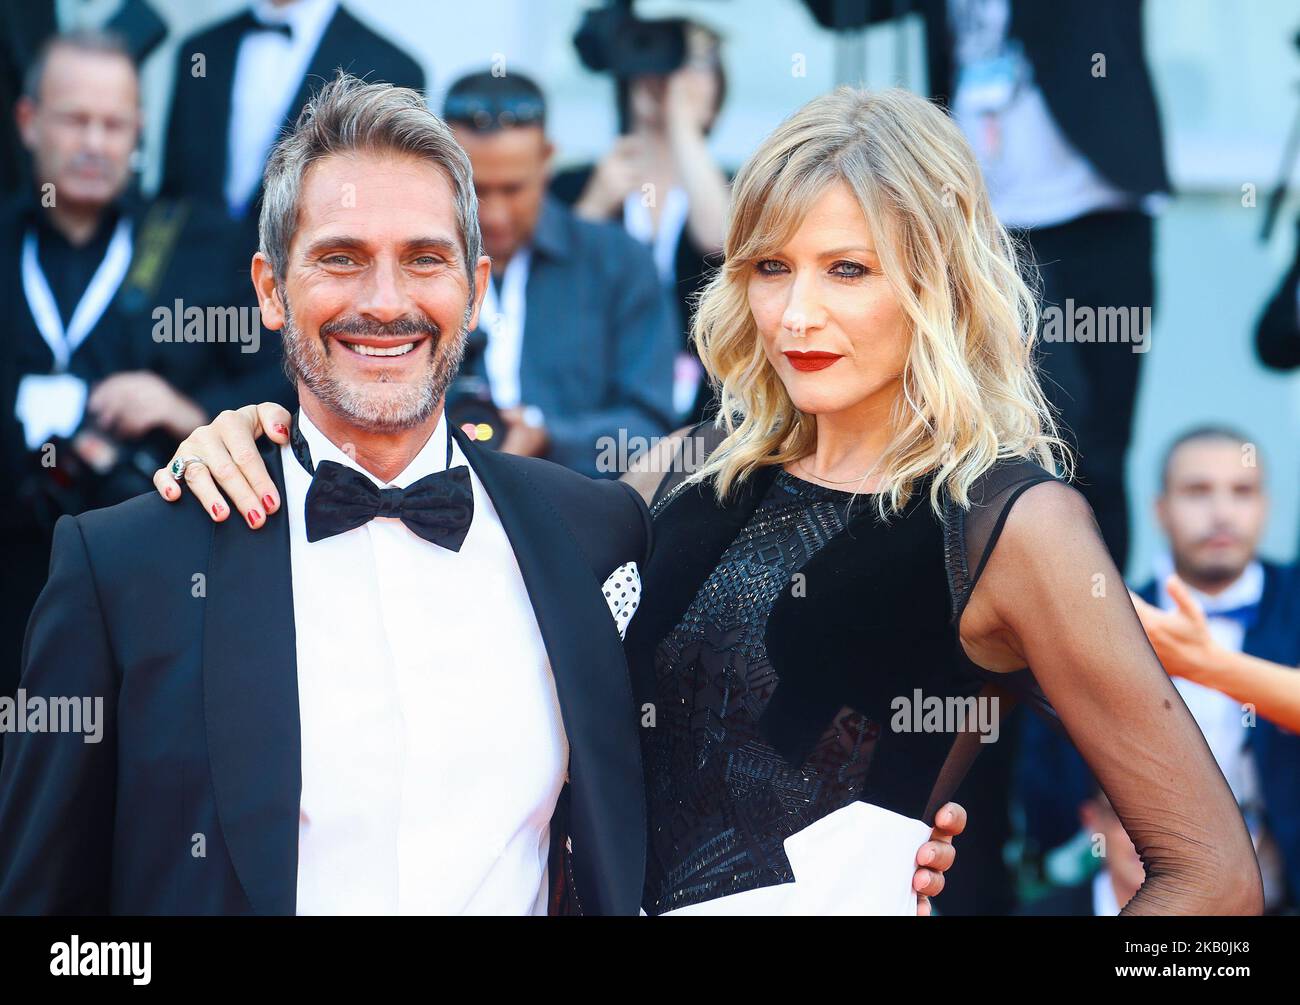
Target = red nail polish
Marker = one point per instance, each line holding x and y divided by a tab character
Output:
268	502
252	517
216	509
280	428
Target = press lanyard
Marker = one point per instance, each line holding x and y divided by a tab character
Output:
94	301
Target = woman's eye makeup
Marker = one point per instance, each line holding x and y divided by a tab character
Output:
843	269
849	270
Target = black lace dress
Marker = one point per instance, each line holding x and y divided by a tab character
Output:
791	646
730	776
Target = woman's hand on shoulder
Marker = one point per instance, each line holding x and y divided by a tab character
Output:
223	457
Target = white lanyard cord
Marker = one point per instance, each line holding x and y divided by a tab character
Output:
94	301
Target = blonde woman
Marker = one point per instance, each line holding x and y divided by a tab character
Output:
873	526
868	537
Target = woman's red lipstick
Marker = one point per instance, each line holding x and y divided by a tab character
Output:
811	360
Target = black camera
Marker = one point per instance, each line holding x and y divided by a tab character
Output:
470	408
614	40
87	471
468	401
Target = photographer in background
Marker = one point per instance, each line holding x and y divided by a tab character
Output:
659	180
92	400
579	336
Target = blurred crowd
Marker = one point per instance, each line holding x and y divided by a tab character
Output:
132	321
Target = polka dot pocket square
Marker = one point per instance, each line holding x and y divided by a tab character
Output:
623	592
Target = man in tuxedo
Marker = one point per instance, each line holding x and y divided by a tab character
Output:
404	714
580	337
239	83
412	698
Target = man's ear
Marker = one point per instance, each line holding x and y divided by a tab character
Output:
482	276
25	118
268	292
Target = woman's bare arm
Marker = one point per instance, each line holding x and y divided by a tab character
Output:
1051	598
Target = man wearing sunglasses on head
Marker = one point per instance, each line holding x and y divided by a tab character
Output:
579	333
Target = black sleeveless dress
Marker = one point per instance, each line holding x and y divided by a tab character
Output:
785	647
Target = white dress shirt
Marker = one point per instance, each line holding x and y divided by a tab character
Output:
502	318
433	750
269	71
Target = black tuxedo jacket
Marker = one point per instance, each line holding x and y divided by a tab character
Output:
194	164
185	628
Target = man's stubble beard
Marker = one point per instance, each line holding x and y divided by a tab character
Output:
380	406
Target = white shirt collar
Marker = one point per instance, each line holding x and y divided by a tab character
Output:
1247	588
431	458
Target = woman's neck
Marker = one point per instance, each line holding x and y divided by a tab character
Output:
850	443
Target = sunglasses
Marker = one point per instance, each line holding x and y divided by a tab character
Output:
489	113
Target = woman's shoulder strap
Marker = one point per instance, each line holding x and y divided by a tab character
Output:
971	532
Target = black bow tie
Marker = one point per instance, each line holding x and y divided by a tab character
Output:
439	507
249	23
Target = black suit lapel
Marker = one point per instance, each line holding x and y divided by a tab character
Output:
607	803
336	50
250	688
1260	637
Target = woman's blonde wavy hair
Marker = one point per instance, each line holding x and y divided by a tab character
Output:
970	392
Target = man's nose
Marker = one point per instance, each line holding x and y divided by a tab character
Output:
494	215
385	298
94	137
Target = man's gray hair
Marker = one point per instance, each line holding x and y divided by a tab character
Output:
348	115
